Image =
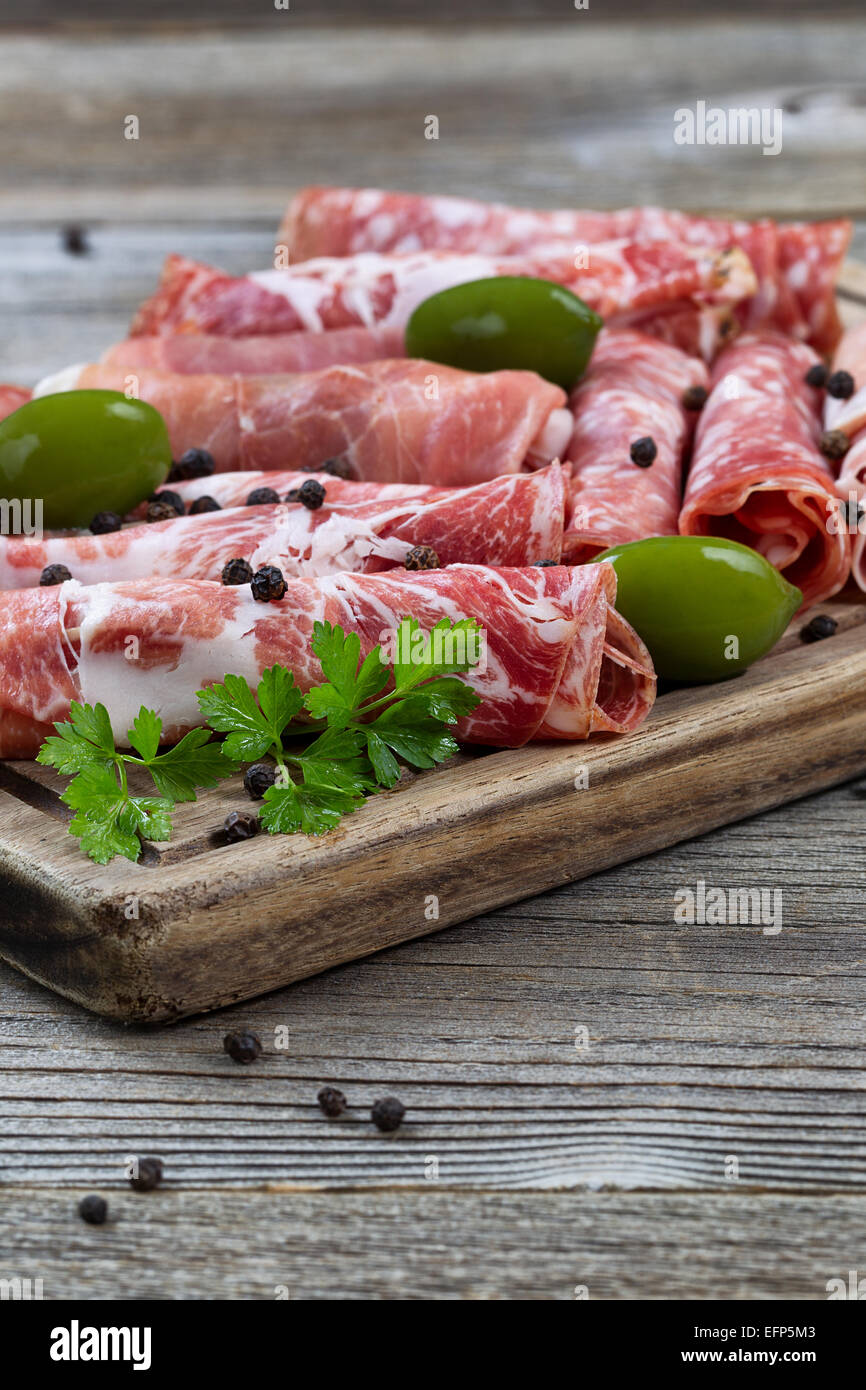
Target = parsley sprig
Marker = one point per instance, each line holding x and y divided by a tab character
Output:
108	819
358	726
365	727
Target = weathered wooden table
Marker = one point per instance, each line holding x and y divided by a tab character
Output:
596	1096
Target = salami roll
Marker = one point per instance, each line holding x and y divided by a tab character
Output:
393	421
633	280
514	520
757	475
558	661
796	263
628	406
849	416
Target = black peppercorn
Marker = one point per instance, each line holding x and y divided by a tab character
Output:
93	1209
643	451
332	1101
822	625
258	778
834	444
195	463
149	1175
841	386
54	574
204	504
387	1114
173	499
817	376
104	522
239	826
268	584
245	1046
543	564
75	241
421	557
695	397
161	511
261	496
311	494
237	572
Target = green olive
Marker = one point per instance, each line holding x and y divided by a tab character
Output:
83	452
706	608
507	321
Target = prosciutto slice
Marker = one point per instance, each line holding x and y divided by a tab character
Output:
392	421
558	661
11	397
203	354
621	278
233	489
757	475
514	520
632	390
850	417
796	263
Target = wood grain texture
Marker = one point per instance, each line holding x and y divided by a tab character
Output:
200	924
434	1245
552	114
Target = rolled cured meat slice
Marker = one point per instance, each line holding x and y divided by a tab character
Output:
394	421
11	397
233	489
514	520
558	661
633	390
849	416
203	354
796	263
757	475
617	278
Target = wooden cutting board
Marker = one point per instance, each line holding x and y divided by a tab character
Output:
197	923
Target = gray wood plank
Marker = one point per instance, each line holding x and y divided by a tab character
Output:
433	1245
703	1043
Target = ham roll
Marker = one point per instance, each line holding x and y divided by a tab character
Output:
202	354
796	263
628	406
514	520
558	661
757	475
393	421
633	280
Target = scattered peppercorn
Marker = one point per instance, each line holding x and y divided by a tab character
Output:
239	826
268	584
727	327
643	451
834	444
75	241
149	1175
258	778
204	504
104	522
338	468
245	1046
161	511
311	494
195	463
261	496
421	557
817	376
332	1101
841	386
93	1209
822	625
387	1114
54	574
695	397
173	499
543	564
237	572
